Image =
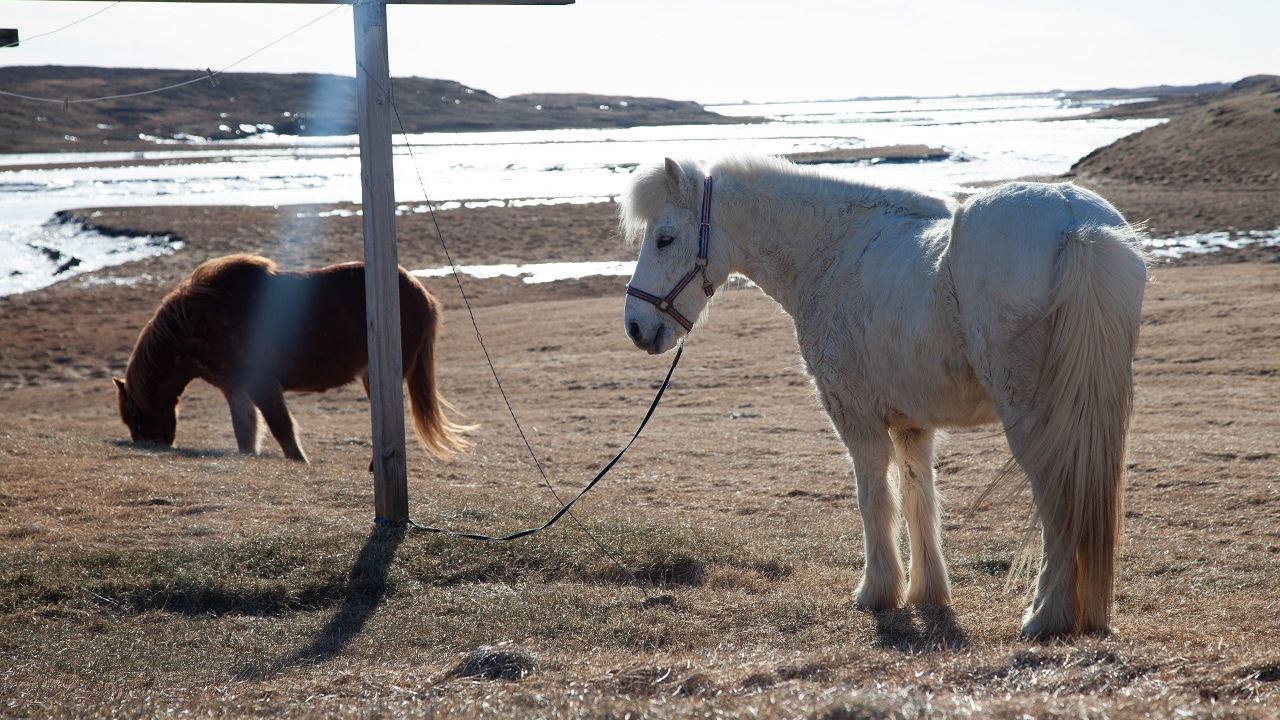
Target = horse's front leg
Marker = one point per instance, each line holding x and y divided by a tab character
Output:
244	420
929	582
271	402
883	577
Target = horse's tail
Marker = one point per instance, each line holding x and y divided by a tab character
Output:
1084	399
437	433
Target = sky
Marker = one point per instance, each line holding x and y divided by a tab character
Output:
705	50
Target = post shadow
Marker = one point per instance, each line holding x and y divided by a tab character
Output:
936	631
366	587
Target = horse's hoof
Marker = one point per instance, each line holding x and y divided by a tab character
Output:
1043	626
873	598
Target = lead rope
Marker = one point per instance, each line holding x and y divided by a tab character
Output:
564	507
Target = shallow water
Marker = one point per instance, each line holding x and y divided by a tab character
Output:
991	138
60	250
1201	243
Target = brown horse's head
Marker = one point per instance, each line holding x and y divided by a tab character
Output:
150	425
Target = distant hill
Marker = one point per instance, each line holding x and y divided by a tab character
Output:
243	104
1227	138
1152	91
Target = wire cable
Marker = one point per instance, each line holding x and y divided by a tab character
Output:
91	15
209	75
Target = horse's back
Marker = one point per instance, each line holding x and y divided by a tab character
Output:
1004	240
305	330
331	344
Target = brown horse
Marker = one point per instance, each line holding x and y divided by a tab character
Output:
254	332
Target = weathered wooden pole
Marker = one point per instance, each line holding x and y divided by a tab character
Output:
381	281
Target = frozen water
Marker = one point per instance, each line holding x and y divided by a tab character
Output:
991	138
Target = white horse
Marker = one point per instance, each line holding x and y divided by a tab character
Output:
914	313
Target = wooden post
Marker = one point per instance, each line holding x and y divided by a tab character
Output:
8	37
381	279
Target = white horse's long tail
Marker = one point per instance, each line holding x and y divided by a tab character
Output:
1084	398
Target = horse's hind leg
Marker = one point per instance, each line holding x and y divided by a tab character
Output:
1052	612
929	584
276	413
244	420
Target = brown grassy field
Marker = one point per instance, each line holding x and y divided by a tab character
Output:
194	581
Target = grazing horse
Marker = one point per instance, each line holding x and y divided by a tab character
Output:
913	313
254	332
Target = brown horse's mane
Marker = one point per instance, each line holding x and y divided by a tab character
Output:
162	337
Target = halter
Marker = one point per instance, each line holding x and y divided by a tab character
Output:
667	304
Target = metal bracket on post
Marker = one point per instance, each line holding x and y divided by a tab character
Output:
8	37
381	278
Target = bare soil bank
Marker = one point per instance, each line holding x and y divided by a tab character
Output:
1214	166
1232	141
888	154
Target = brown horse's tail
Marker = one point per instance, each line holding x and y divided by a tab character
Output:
438	434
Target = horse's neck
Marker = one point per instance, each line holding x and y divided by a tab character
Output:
813	259
791	254
158	372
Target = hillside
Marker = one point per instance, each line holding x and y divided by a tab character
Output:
1215	165
1232	138
240	104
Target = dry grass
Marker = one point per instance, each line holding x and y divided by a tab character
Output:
136	581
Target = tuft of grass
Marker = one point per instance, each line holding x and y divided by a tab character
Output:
494	664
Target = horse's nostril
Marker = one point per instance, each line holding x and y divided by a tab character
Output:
634	330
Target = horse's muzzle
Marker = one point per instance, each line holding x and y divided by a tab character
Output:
650	344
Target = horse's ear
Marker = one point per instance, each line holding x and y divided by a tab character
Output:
675	177
119	383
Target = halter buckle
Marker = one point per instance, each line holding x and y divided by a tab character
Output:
663	305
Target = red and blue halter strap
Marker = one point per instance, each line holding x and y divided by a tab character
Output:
667	304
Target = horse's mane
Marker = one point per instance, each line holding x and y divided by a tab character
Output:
162	337
767	176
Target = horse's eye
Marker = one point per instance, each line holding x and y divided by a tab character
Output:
665	240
